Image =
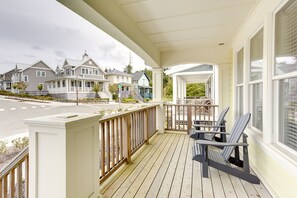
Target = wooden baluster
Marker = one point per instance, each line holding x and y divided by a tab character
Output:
184	117
113	143
122	120
12	183
117	140
127	136
19	180
102	149
1	191
189	118
145	125
108	145
27	177
5	187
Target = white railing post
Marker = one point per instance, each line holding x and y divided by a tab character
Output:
64	156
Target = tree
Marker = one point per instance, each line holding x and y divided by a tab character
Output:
168	90
196	89
113	88
21	86
96	88
40	87
128	69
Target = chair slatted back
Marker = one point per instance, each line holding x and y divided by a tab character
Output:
235	134
221	118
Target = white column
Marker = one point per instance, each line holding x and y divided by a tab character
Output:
157	97
64	156
157	84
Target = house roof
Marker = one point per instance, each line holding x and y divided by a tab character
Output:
78	63
137	76
117	72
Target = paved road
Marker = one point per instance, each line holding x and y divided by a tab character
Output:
13	113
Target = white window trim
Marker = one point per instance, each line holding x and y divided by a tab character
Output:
25	78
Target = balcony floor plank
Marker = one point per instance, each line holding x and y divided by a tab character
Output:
165	168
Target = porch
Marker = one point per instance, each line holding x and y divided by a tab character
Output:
164	168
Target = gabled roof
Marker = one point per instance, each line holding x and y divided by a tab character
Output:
137	76
78	63
117	72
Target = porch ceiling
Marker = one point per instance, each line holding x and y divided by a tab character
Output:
170	32
195	78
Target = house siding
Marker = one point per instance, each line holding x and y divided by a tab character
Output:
275	165
34	80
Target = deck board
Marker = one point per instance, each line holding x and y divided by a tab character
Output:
165	168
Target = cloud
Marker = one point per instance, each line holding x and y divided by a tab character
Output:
29	56
35	47
60	54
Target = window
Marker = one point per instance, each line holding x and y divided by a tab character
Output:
96	72
285	77
40	73
83	70
256	84
58	84
239	84
63	83
26	78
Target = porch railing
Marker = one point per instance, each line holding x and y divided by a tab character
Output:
122	135
179	117
14	178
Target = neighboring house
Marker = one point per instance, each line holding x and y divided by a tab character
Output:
33	75
141	84
5	80
122	79
76	78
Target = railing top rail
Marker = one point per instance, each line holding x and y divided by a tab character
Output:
192	105
15	161
117	115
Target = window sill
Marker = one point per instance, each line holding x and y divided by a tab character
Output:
281	155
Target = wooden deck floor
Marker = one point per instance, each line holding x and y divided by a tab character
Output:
165	168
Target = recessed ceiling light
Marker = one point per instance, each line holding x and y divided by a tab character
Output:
221	43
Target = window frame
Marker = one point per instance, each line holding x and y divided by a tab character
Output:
275	84
251	83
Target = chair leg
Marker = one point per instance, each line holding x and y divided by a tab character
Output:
204	152
246	165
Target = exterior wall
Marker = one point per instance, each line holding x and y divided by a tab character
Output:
34	80
143	81
114	79
276	166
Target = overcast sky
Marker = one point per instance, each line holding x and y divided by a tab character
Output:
32	30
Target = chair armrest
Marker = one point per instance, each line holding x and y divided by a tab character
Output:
212	132
213	143
208	126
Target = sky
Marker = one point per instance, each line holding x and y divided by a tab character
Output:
32	30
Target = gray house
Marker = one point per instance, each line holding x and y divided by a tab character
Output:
77	78
33	75
5	80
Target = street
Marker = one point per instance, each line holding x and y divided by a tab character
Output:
14	112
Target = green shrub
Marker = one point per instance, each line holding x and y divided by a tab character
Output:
3	147
20	143
129	100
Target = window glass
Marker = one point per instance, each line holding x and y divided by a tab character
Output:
286	39
256	53
240	66
288	112
257	106
239	101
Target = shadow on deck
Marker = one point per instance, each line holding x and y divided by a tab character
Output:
165	168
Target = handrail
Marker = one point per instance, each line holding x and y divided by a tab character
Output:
121	114
15	161
16	175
